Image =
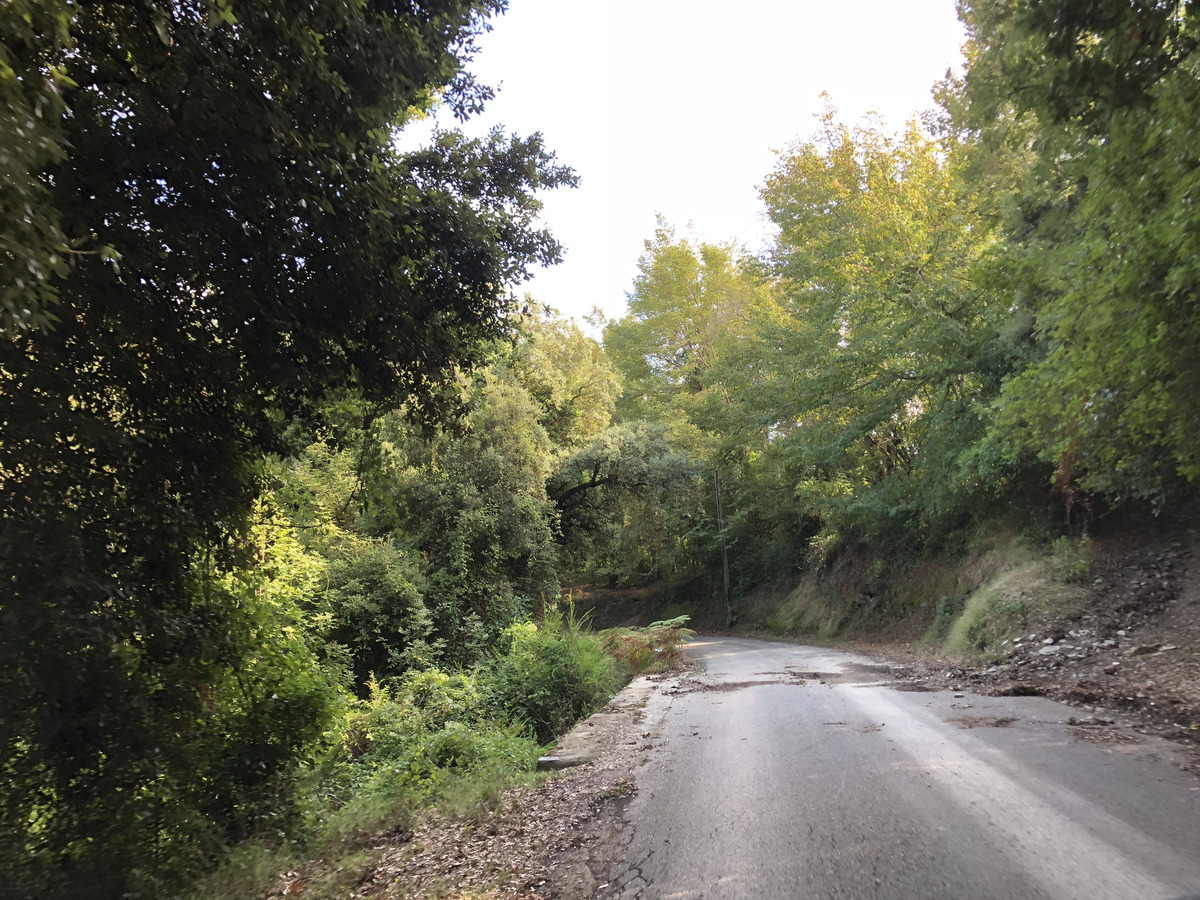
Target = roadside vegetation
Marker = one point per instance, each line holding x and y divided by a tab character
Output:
291	487
432	742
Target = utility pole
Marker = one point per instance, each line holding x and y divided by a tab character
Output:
724	552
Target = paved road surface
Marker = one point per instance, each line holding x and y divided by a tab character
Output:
767	783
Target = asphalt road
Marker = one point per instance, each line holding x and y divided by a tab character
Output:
785	771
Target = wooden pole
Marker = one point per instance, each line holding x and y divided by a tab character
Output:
724	552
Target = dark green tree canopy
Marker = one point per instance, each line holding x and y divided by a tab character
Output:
1100	101
213	221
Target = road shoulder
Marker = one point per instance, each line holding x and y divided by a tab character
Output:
557	841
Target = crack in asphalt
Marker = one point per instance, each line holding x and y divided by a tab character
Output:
625	880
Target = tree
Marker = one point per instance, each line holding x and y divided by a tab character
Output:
479	513
246	241
410	546
876	361
687	350
684	309
615	496
568	375
1103	249
358	585
34	252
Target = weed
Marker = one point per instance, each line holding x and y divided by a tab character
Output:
655	648
780	625
248	870
948	609
1002	618
551	676
991	614
1071	560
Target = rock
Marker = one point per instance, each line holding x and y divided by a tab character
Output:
1145	649
1019	689
1048	651
1111	669
566	760
1048	641
1090	721
575	881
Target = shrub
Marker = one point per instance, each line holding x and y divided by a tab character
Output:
1071	560
550	677
438	697
377	613
402	750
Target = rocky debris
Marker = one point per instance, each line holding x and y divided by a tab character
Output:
1017	689
982	721
1088	722
1145	649
1107	736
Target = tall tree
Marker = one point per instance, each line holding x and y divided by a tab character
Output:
684	309
682	345
875	357
569	376
34	252
244	239
1104	244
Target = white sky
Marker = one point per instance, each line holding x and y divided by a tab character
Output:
676	106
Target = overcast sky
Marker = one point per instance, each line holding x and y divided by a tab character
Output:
677	106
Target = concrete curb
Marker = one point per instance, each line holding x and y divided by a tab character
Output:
601	731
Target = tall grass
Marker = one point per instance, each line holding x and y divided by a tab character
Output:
551	675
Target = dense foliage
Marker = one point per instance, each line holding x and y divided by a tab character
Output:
287	478
208	233
991	314
1102	242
